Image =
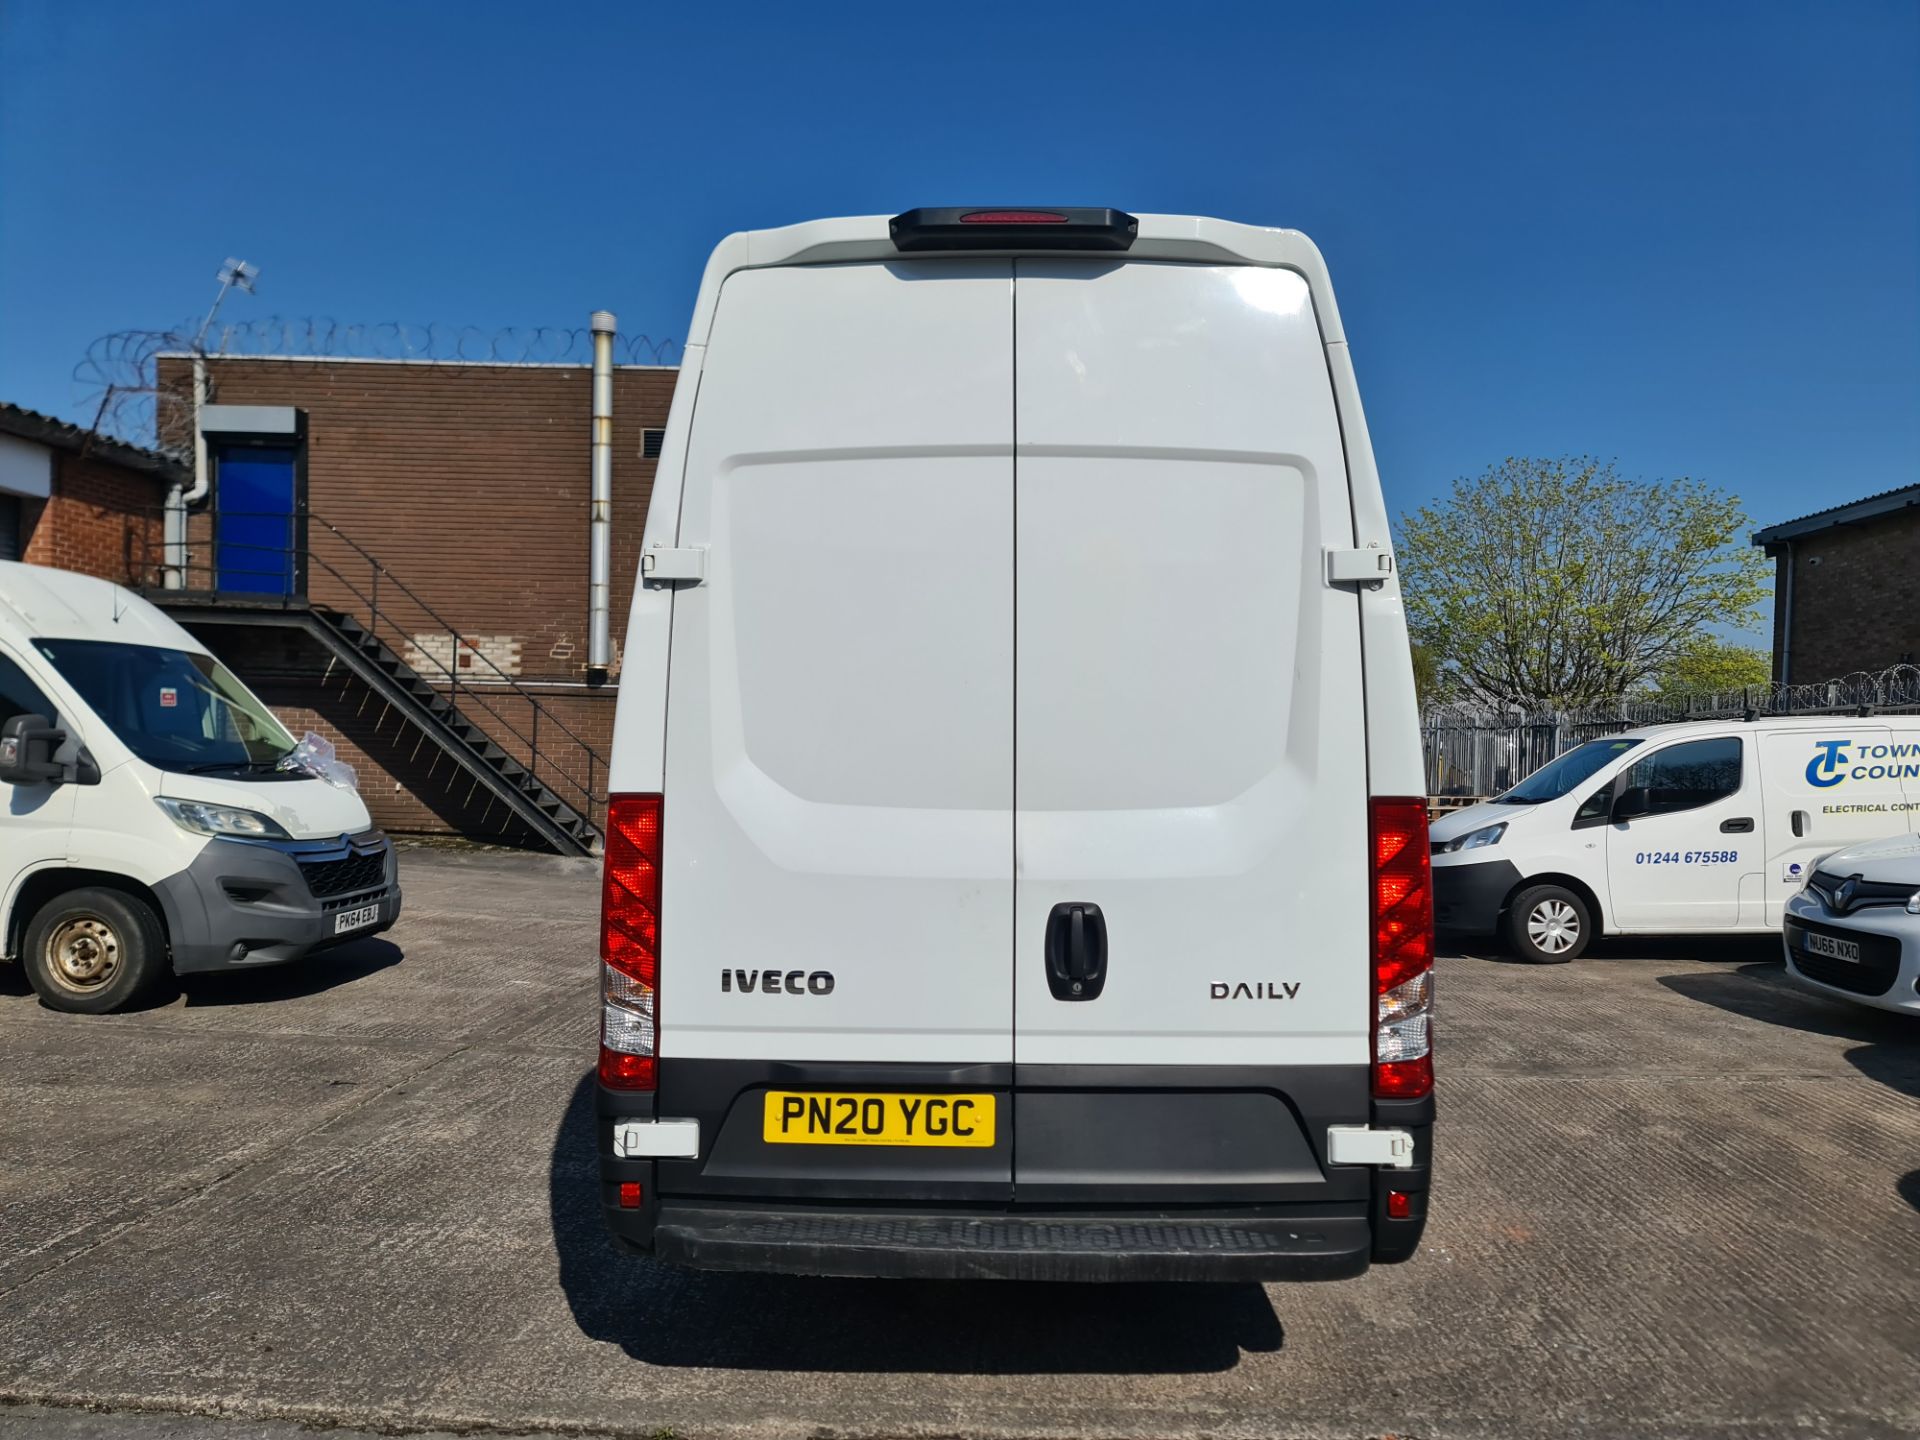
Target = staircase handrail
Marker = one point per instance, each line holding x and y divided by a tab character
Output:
139	572
379	571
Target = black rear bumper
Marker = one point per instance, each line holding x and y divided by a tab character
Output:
1100	1173
1013	1247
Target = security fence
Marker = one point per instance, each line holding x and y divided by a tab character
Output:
1477	750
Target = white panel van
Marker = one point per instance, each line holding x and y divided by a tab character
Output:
1016	862
147	823
1705	826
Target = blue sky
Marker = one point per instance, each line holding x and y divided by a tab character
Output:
1685	236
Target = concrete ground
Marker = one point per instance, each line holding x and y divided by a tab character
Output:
1675	1197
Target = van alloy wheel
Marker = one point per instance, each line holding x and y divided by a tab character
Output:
83	954
1554	926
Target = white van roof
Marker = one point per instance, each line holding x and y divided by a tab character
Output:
1158	237
36	601
1762	724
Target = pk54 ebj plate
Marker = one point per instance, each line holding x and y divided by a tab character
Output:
815	1117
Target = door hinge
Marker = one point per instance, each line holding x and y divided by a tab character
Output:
1363	1145
1370	566
660	563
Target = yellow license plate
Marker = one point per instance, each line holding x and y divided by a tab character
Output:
812	1117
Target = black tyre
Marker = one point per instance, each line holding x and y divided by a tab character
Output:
91	951
1549	925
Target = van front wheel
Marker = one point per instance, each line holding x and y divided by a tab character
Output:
90	951
1548	924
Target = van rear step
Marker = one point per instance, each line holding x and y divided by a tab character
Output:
1002	1247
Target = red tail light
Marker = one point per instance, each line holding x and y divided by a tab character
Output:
1402	881
630	944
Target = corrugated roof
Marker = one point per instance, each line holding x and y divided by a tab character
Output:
27	424
1871	507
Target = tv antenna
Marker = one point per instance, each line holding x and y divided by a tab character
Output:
234	275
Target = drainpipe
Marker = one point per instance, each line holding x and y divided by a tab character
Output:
173	530
1786	621
600	525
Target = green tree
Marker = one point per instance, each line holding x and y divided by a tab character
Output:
1561	582
1427	681
1706	665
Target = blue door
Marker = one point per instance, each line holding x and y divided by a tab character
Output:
255	535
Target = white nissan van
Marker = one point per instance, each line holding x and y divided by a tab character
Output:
1705	826
149	824
1017	862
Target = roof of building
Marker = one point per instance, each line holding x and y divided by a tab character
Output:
1871	508
27	424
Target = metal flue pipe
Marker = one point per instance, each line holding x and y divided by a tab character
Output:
600	525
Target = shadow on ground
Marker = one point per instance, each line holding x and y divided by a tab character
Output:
664	1315
1890	1044
1705	949
314	975
1909	1188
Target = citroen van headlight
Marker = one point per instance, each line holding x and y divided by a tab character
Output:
1473	839
204	819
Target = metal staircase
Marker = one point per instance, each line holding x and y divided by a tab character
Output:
550	791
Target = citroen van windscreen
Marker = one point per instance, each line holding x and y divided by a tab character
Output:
172	708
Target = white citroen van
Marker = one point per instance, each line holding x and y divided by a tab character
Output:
1706	826
148	822
1017	861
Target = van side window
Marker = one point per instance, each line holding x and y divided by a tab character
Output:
20	696
1682	777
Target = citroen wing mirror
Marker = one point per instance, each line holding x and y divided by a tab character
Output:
27	743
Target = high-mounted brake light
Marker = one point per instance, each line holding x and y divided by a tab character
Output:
982	227
1402	904
1013	217
630	944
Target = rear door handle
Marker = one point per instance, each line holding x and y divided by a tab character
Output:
1740	825
1076	951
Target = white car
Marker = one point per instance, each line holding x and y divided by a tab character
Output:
1854	931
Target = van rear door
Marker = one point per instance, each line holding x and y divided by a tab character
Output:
837	881
1190	741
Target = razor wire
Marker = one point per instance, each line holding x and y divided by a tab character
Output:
128	400
1473	749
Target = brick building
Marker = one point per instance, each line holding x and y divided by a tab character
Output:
440	509
73	499
1847	588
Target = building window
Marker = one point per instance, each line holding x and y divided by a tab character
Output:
9	527
650	443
